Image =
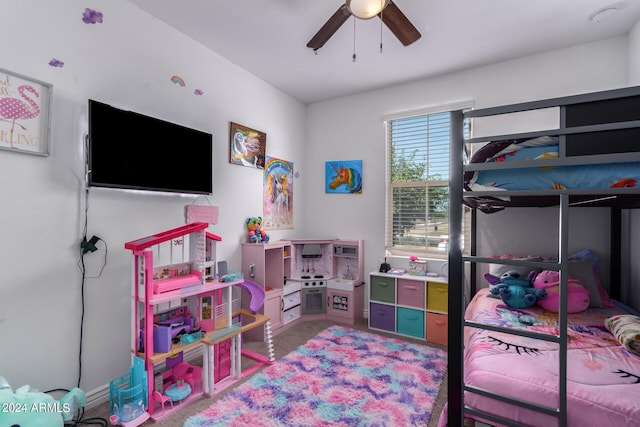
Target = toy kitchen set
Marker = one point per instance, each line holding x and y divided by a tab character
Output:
331	278
308	279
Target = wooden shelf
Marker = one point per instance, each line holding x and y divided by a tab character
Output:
221	333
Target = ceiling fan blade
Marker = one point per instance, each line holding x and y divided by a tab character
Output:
399	24
329	28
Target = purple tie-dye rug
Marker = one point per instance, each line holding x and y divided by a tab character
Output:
342	377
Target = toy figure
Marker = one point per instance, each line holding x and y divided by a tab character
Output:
515	290
577	296
256	233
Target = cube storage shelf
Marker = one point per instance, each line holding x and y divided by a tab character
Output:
412	306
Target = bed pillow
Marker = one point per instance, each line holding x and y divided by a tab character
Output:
499	269
588	255
582	269
626	328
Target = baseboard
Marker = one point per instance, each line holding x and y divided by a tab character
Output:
97	396
100	395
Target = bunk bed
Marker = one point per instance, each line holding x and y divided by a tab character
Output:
554	368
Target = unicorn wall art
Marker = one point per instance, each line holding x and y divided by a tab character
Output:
247	146
344	176
278	194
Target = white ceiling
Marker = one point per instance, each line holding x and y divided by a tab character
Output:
268	37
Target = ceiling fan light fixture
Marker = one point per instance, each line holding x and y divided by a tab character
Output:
366	9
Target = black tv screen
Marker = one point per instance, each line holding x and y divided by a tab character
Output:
132	151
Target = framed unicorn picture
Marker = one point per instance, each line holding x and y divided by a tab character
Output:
343	176
277	205
247	147
25	105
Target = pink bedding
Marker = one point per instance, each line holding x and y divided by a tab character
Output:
603	378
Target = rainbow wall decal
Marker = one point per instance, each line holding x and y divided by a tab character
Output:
177	80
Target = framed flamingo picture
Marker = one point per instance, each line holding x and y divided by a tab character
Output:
24	114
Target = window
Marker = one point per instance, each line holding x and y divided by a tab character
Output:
418	183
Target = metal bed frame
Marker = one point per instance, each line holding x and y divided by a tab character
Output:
460	264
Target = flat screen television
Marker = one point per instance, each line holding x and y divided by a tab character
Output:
129	150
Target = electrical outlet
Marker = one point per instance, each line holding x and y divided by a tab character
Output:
89	246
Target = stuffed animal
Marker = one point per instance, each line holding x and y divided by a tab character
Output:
256	233
577	296
515	290
26	407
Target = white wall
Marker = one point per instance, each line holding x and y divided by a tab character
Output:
534	231
352	128
127	61
634	55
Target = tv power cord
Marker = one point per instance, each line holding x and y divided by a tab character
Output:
78	402
86	246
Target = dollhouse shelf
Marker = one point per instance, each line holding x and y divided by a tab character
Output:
187	291
226	332
175	283
221	333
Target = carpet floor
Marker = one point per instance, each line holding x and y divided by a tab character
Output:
342	377
284	343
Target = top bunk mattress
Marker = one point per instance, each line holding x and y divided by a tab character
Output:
596	176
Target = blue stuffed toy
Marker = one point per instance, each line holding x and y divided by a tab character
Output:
515	290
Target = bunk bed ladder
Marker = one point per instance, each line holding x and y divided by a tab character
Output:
457	262
455	397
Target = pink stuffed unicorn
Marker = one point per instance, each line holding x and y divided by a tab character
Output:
577	295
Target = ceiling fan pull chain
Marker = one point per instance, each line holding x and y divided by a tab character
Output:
381	12
354	39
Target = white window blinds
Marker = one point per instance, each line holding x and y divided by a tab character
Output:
417	183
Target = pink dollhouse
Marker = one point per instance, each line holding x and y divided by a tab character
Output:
178	303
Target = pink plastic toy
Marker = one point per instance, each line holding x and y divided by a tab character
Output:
577	296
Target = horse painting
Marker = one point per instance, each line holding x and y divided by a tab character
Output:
348	179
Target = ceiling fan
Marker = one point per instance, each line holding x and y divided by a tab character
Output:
387	10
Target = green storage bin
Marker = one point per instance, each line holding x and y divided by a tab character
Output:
383	289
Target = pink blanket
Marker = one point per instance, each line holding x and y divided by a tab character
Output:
603	378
